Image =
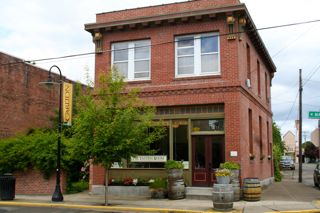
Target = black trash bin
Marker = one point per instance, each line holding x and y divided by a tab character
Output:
7	186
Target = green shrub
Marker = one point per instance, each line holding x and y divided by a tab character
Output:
172	164
230	165
77	187
159	183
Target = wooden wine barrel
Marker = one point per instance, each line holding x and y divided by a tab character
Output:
222	197
176	189
236	191
175	174
251	189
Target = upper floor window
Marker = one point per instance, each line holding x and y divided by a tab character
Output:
132	59
197	55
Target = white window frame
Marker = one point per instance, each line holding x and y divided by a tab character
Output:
131	59
197	56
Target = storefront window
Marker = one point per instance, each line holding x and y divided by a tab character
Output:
161	148
208	125
180	141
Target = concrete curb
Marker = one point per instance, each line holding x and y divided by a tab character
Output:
109	208
298	211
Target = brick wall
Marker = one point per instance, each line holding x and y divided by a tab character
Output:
24	104
33	182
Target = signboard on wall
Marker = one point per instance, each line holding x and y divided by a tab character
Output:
149	159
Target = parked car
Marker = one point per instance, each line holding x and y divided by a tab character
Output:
287	162
316	175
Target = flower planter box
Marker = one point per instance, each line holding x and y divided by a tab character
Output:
125	191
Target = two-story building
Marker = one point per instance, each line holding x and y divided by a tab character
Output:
205	68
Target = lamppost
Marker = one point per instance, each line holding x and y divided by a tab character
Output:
57	195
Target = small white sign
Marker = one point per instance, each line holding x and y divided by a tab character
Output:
149	158
186	164
233	153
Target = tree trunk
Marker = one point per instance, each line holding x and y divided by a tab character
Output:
106	191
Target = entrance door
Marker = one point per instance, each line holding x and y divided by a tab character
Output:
207	154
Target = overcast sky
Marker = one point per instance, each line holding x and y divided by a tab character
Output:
36	29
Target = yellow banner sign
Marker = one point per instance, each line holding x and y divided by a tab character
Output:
67	103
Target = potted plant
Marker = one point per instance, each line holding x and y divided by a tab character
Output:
234	169
158	188
269	157
174	169
223	176
262	157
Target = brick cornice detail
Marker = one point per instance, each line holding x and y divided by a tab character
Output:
189	91
205	90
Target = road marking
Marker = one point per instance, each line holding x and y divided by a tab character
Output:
112	208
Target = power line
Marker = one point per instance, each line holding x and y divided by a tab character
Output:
287	118
161	43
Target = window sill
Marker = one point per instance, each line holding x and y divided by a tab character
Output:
199	77
138	81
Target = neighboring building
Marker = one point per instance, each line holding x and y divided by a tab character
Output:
315	137
289	140
24	104
210	84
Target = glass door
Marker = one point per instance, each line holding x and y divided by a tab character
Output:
208	153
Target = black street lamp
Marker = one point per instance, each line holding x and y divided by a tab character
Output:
57	195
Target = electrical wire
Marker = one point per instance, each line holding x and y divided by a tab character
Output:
293	104
161	43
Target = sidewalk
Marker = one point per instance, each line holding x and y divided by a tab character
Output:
283	196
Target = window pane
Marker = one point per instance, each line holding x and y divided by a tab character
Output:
217	156
200	160
185	51
185	42
209	63
161	147
141	75
185	65
208	125
141	52
122	68
120	51
141	66
180	141
120	55
143	43
209	44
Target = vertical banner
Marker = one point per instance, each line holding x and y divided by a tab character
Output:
67	103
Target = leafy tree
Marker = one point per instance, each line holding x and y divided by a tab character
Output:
310	150
112	124
278	150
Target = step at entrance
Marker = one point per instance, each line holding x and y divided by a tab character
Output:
199	193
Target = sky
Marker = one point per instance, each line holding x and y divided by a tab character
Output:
37	29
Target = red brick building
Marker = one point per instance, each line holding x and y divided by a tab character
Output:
206	69
24	104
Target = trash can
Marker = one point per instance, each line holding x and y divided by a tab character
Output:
7	186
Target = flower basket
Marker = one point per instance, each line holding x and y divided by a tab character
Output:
223	179
223	176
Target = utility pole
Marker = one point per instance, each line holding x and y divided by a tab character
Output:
318	140
300	125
